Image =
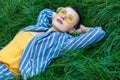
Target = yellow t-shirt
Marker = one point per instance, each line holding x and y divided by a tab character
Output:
10	55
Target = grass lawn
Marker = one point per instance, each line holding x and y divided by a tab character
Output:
100	61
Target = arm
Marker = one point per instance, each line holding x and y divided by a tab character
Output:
45	16
91	36
81	29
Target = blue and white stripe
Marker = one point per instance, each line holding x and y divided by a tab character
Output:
43	48
5	74
50	45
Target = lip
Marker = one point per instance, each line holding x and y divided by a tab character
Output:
59	21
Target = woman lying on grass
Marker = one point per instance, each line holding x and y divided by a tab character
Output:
34	47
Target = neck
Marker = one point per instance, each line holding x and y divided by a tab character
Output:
53	28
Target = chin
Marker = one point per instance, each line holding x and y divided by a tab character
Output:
55	23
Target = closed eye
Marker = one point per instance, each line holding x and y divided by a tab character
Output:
71	18
63	11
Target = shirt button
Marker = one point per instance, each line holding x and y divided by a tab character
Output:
31	59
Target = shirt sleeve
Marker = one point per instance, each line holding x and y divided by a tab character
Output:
44	18
83	40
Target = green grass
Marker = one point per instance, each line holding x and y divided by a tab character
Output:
96	62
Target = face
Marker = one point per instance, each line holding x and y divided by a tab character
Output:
65	19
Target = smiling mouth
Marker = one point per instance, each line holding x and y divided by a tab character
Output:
59	21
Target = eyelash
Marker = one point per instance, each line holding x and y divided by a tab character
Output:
63	12
71	18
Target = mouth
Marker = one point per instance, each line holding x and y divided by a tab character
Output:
59	21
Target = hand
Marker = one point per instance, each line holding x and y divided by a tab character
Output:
83	29
72	31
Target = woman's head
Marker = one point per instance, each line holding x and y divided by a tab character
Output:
66	19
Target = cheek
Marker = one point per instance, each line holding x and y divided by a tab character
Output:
65	27
72	25
54	21
69	26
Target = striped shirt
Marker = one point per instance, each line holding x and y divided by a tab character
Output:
43	48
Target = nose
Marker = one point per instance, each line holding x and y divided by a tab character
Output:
63	17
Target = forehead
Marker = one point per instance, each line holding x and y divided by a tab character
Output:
71	11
